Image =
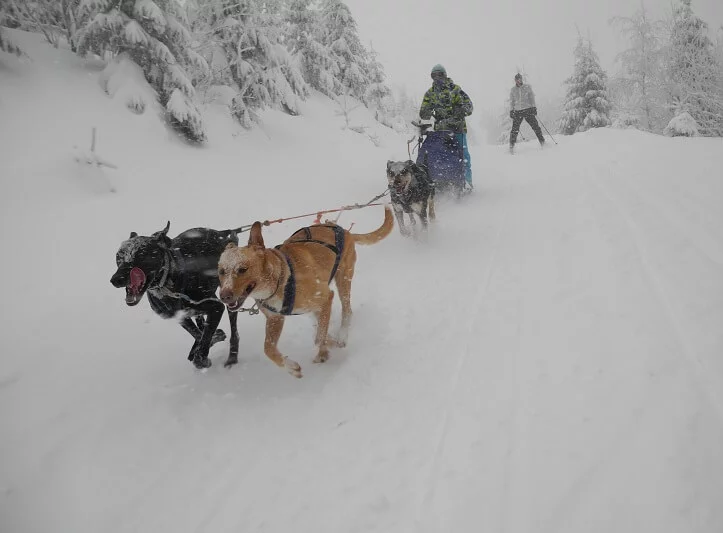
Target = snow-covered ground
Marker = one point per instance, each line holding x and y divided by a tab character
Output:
551	360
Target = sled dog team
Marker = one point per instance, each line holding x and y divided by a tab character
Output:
181	276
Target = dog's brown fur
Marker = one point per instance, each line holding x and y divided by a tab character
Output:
261	273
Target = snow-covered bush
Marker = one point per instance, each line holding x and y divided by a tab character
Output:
682	125
123	79
626	120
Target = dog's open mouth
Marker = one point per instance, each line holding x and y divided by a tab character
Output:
136	284
398	186
235	306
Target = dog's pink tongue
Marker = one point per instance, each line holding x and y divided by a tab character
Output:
138	278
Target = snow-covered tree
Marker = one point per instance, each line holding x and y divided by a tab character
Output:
378	95
42	16
349	57
154	35
245	43
719	47
639	85
303	38
694	80
586	103
55	19
72	19
406	110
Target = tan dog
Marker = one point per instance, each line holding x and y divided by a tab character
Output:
294	279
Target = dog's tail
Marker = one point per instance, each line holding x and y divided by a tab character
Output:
378	234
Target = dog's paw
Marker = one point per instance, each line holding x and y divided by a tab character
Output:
201	362
292	367
218	336
230	362
336	342
322	356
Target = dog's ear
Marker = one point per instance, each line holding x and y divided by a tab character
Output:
389	165
161	236
133	234
255	237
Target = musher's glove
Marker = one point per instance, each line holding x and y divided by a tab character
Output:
459	113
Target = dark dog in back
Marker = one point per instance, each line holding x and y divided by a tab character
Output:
180	277
411	191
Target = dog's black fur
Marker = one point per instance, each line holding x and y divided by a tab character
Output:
411	191
180	278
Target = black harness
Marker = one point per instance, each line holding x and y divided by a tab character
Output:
287	305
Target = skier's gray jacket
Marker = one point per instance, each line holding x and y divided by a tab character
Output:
522	97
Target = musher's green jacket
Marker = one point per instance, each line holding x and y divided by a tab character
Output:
449	104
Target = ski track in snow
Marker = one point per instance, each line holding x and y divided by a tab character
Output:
710	384
479	294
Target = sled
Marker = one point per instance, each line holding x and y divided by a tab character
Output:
443	156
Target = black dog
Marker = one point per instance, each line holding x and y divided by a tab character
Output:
180	277
411	191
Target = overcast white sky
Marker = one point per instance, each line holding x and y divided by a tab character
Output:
482	43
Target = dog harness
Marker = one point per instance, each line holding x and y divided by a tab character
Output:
337	248
287	305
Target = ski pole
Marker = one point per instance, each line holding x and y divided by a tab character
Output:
548	131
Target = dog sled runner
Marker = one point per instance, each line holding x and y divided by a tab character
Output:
443	156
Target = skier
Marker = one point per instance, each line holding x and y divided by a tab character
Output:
450	105
522	103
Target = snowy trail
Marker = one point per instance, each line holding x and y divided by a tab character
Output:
577	342
529	375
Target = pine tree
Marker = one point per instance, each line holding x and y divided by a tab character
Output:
245	40
694	81
349	57
378	95
154	35
640	82
586	103
313	58
54	19
71	17
407	110
41	16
